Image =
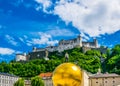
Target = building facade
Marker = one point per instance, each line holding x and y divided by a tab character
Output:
21	57
85	79
7	79
104	80
88	79
47	78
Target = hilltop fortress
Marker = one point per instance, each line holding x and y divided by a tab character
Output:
69	44
62	45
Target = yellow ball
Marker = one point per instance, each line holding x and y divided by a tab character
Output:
67	74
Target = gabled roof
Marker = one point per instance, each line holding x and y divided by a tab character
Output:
45	75
7	74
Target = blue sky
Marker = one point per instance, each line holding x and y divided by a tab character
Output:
28	23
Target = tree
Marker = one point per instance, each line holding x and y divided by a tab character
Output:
37	81
112	62
93	52
20	82
116	50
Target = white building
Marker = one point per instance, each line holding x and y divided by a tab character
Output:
21	57
7	79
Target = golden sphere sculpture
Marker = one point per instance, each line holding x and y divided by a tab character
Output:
67	74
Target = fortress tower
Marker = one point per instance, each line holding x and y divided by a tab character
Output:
79	41
96	43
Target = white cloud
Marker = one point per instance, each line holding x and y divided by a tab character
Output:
60	32
85	37
29	44
45	3
38	8
21	39
6	51
52	42
93	17
26	40
11	40
44	39
25	36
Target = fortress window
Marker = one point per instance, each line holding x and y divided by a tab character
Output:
113	81
105	78
96	82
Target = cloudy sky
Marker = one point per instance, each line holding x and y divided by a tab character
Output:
28	23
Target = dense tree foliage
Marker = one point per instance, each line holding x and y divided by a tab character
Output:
112	63
90	61
20	82
37	81
29	69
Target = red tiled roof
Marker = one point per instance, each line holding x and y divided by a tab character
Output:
45	75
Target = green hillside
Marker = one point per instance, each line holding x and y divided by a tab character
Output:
91	61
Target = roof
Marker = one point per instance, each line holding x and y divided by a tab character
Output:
7	74
20	54
45	75
88	43
104	75
51	46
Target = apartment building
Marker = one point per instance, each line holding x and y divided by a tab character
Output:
7	79
104	80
